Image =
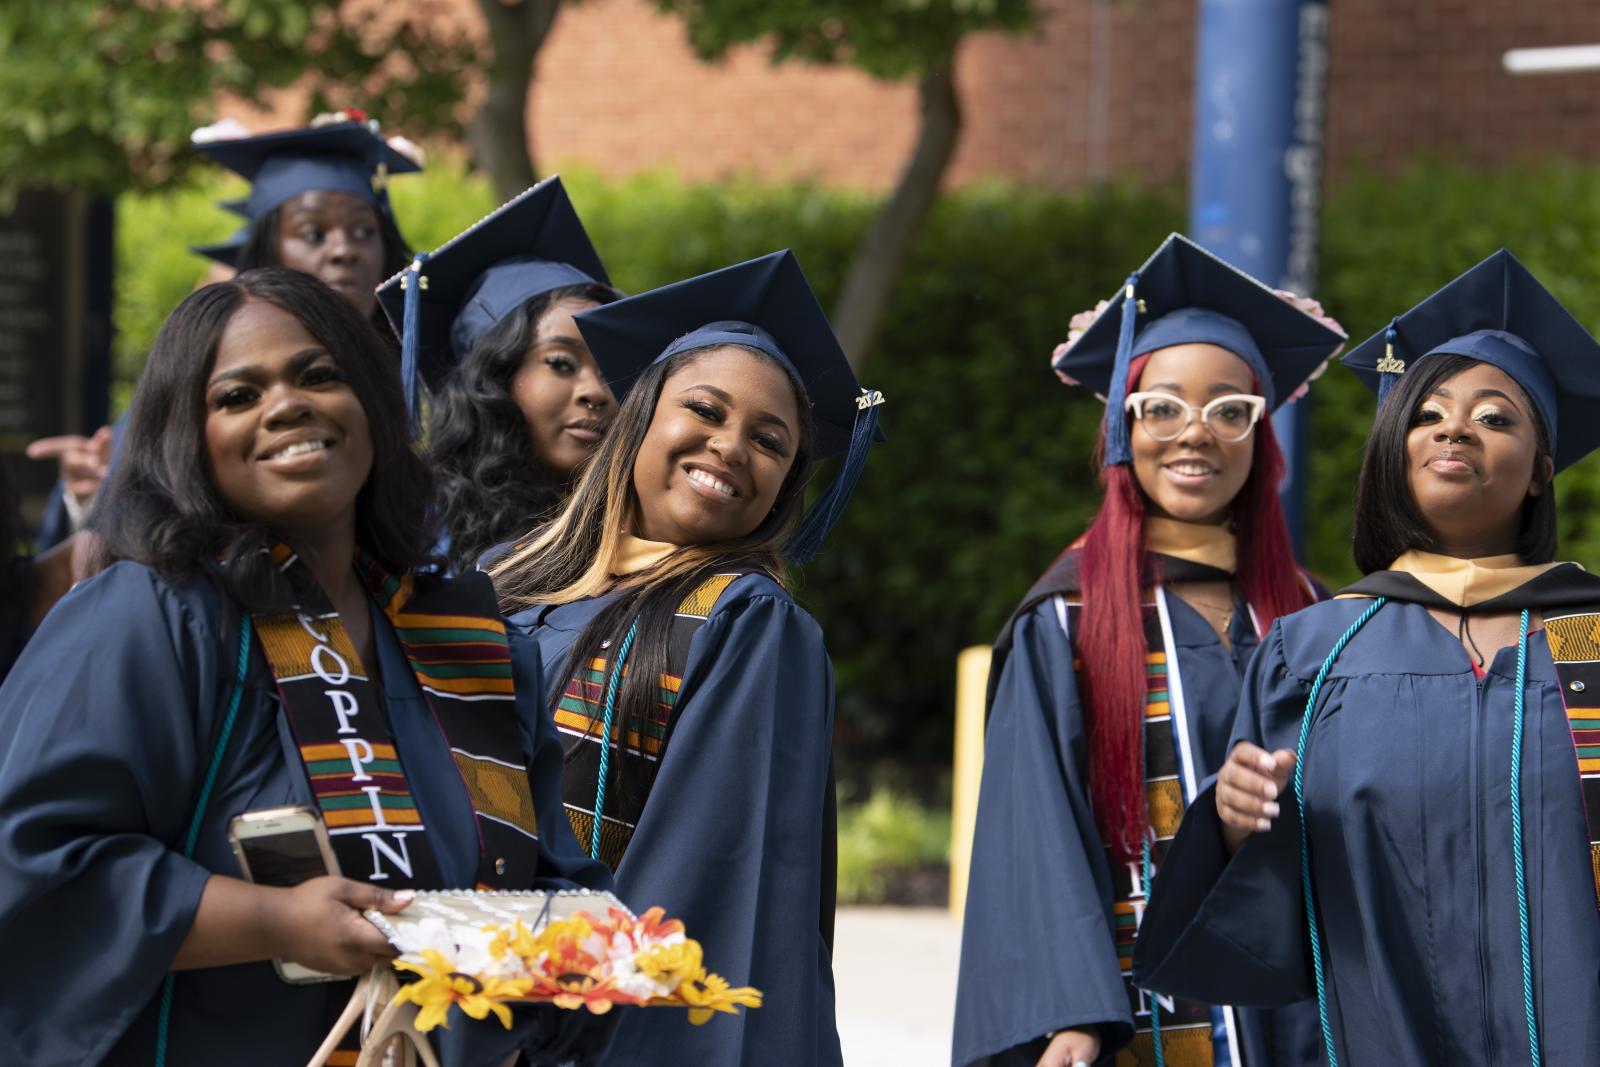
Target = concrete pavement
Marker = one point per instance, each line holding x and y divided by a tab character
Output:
895	975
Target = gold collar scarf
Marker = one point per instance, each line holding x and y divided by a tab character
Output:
1213	546
635	554
1466	582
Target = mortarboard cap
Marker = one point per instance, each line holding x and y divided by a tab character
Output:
765	304
345	157
225	252
1500	314
1184	294
529	245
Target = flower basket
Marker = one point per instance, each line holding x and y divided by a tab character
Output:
484	951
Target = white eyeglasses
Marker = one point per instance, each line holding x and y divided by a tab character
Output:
1229	418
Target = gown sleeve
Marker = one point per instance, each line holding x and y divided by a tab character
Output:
1038	871
1232	930
730	840
101	725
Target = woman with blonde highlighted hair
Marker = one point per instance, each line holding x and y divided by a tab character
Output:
695	695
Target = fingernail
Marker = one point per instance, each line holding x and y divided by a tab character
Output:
1272	791
1267	764
1270	810
1263	824
404	896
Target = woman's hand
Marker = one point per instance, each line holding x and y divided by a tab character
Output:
84	461
1070	1048
317	924
320	925
1248	789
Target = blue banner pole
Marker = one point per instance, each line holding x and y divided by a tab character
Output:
1256	175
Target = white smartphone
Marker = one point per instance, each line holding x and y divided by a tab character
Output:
284	847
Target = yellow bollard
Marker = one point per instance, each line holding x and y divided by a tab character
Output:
972	678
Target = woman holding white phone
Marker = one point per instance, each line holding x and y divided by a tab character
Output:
262	534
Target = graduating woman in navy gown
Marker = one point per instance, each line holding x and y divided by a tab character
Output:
695	696
519	404
257	641
1113	687
1404	825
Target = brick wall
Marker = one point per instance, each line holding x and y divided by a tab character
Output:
1101	88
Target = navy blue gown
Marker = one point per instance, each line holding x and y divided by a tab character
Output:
1408	801
730	838
107	724
1042	948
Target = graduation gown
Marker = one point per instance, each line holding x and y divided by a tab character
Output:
17	583
1039	946
1408	811
730	836
107	725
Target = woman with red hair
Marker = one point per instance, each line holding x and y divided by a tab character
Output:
1113	687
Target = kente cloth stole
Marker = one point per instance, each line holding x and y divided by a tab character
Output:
1575	647
580	715
1170	784
455	642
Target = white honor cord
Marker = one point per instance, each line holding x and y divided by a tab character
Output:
1180	725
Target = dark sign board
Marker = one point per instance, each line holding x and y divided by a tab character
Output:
56	260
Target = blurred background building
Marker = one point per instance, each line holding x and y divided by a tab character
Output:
1097	89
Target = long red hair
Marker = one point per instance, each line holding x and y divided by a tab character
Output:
1113	574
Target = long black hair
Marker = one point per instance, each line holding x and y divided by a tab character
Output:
568	558
492	483
162	509
1388	522
260	249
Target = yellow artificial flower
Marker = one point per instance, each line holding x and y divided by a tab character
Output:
707	993
515	938
672	964
439	987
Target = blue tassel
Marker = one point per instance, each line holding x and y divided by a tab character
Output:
410	343
1118	450
813	528
1388	378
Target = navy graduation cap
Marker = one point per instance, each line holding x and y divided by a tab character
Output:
441	304
345	157
1184	294
1500	314
768	305
226	251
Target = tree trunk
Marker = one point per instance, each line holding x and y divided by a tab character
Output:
500	141
883	250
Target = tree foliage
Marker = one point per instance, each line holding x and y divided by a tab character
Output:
890	39
101	95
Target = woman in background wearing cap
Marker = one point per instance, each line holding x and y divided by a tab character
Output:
318	204
1114	686
1405	823
657	600
518	403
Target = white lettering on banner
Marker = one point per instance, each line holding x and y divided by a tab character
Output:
321	652
1136	898
1168	1004
344	706
372	792
355	746
305	624
398	854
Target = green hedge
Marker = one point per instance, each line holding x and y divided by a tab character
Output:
986	474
